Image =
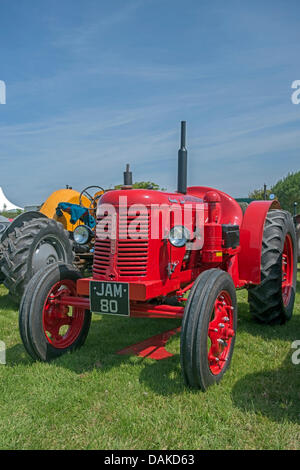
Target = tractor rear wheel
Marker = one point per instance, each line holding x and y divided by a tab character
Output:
36	244
208	329
298	240
49	329
3	236
243	206
2	277
272	301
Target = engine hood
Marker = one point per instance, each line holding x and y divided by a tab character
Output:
145	197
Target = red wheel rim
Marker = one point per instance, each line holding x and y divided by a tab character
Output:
62	324
287	270
220	332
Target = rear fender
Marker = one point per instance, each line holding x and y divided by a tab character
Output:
63	195
18	221
251	235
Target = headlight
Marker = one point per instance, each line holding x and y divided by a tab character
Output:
82	234
179	236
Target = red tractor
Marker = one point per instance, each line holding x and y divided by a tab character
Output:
170	255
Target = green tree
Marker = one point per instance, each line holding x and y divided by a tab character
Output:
259	194
11	214
286	190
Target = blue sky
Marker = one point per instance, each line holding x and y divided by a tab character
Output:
92	85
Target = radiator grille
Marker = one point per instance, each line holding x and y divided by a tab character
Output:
133	244
131	247
101	256
103	247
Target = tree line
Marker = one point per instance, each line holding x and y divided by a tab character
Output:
286	190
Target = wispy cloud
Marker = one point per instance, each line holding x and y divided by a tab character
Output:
113	82
81	37
64	149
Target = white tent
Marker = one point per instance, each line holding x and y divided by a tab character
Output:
5	205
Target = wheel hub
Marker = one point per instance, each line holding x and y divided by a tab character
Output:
220	332
46	253
62	324
287	270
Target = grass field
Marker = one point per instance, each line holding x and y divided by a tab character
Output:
95	399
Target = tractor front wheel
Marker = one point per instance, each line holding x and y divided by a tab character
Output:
49	329
208	329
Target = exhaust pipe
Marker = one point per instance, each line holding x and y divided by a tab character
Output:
182	162
127	176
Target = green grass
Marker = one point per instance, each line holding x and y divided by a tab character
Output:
95	399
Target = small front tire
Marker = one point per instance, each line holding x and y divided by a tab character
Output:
208	329
47	328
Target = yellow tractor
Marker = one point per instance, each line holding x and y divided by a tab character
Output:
61	229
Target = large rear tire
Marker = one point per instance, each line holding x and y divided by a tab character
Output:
49	329
298	240
37	243
208	329
243	206
2	277
272	301
3	235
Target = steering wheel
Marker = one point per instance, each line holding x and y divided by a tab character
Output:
93	199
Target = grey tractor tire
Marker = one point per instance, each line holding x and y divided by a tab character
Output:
298	240
266	300
34	245
2	277
2	238
243	206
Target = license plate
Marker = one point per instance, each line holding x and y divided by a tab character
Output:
111	298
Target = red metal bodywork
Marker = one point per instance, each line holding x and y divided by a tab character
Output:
153	347
143	263
150	247
251	234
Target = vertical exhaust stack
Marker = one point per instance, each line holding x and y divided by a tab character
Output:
182	162
127	176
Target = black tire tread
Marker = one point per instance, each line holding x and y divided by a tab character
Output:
265	300
14	262
31	306
192	328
